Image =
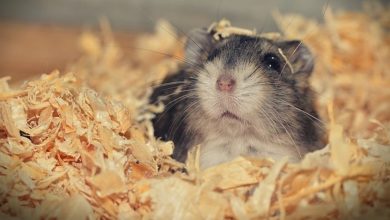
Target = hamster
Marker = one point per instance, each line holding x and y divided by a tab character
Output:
239	96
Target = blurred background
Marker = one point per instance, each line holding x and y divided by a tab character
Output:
37	36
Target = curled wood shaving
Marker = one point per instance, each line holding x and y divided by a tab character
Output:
223	29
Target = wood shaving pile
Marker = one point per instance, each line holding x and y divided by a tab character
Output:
80	145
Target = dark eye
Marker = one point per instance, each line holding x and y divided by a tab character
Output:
272	62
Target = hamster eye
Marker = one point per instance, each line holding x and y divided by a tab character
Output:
272	62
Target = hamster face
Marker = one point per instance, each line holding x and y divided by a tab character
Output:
258	80
251	97
244	96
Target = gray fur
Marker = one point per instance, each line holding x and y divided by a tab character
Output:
275	106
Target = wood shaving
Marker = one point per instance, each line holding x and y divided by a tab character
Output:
223	29
80	145
287	61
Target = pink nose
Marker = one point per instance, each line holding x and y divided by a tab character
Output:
226	83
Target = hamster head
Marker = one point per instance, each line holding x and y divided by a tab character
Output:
245	81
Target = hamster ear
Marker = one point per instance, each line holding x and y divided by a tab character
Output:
299	56
199	44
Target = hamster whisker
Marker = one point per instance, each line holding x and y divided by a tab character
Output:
194	78
169	84
188	37
184	60
256	84
168	95
307	35
180	119
251	74
189	90
179	98
175	36
280	121
271	122
172	103
174	87
304	112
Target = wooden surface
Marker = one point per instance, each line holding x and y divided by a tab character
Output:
28	50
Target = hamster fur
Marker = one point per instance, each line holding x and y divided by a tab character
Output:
239	97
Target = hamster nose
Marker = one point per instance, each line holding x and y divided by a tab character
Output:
226	83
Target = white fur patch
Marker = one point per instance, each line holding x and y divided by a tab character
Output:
217	149
223	138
